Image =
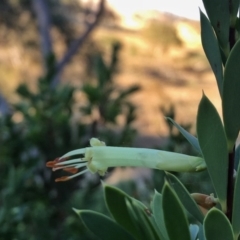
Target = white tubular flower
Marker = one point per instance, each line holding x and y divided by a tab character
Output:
98	158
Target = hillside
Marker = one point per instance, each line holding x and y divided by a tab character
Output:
163	55
168	73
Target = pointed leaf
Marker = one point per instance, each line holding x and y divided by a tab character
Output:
126	92
236	206
201	233
237	25
211	49
158	214
219	16
147	213
237	157
102	226
194	229
135	220
175	219
233	8
101	70
231	96
185	197
143	223
213	143
217	226
116	203
191	139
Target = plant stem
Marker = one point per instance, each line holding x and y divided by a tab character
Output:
230	186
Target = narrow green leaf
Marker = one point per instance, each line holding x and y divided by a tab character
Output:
158	214
143	223
102	226
211	49
219	16
185	198
217	226
233	8
231	96
211	137
236	206
148	214
175	219
237	25
194	229
237	157
135	219
101	70
201	233
116	203
191	139
126	92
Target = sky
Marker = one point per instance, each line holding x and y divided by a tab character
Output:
184	8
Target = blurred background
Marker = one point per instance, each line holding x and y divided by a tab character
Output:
72	70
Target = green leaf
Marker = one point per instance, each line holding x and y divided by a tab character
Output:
211	137
217	226
233	8
236	206
237	25
231	96
24	91
102	226
142	221
158	214
101	71
185	197
116	203
219	16
126	92
175	219
93	93
191	139
194	229
236	157
211	49
201	233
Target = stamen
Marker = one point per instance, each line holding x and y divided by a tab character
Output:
78	174
55	162
51	164
60	159
66	178
62	179
74	152
77	160
71	170
83	164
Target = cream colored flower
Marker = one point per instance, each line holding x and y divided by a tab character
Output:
98	158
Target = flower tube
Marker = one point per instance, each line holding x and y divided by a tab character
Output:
98	158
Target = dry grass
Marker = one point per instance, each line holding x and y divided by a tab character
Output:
175	75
